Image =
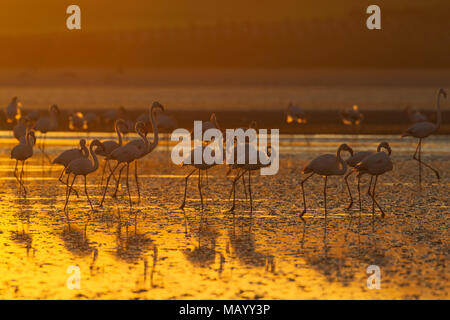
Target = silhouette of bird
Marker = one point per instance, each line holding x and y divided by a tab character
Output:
13	112
295	114
77	122
68	156
252	160
22	152
46	124
375	164
422	130
125	155
114	114
355	159
352	116
151	146
82	167
415	116
326	165
110	145
20	129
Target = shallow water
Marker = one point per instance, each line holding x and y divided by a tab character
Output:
156	251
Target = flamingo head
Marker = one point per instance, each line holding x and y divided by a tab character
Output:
140	127
385	145
156	105
82	142
345	147
443	92
253	125
14	99
54	108
97	143
32	135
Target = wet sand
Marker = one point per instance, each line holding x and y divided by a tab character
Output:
156	251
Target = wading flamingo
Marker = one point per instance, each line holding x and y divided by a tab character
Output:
125	155
422	130
203	166
357	158
22	152
68	156
326	165
262	160
110	145
150	147
13	112
82	167
375	165
295	114
415	116
46	124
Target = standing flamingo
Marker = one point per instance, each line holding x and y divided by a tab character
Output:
422	130
357	158
203	166
21	128
263	159
375	165
295	114
326	165
414	115
46	124
110	145
125	155
150	146
22	152
68	156
13	112
82	167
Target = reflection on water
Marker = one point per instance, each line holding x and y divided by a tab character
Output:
155	251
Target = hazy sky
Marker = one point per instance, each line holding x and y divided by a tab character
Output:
43	16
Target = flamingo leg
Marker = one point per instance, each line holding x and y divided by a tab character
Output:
240	174
64	183
348	188
200	187
107	182
22	173
117	182
419	159
185	188
87	195
68	194
359	195
375	201
245	188
110	170
250	191
303	193
103	171
325	196
15	173
137	180
128	186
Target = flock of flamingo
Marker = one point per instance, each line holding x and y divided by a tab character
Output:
77	162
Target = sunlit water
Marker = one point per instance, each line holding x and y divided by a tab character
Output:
156	251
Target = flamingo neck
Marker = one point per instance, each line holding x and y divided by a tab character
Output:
94	157
119	135
154	144
342	162
144	151
84	151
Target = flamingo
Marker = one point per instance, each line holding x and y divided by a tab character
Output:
151	146
295	114
13	112
22	152
68	156
357	158
77	122
414	115
20	129
326	165
114	114
203	166
352	116
125	155
262	160
46	124
422	130
110	145
375	164
82	167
